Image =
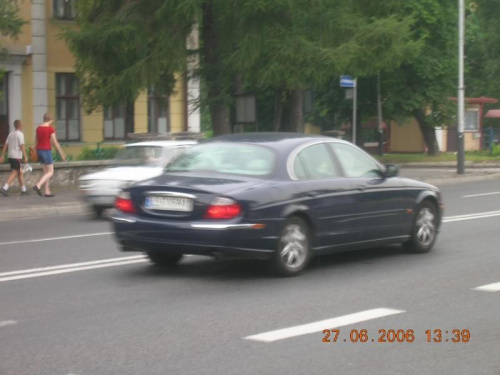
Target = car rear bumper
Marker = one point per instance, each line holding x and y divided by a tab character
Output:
99	200
233	239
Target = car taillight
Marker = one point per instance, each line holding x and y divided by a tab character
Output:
223	208
124	203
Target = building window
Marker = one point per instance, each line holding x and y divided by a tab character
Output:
65	9
114	122
471	120
67	107
158	112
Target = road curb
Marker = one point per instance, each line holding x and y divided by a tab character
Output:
460	179
449	165
42	211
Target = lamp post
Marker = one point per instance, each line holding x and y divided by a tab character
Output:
461	88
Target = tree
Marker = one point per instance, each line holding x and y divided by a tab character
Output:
123	46
10	22
483	48
420	88
286	47
118	53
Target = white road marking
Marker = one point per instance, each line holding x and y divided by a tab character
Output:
480	215
71	265
6	323
481	195
57	238
305	329
28	274
495	287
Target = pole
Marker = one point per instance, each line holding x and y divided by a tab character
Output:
379	113
354	110
461	88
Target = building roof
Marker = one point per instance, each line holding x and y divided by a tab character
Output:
493	113
480	100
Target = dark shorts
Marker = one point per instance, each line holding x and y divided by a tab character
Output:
45	157
15	164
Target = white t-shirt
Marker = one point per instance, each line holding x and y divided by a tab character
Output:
15	141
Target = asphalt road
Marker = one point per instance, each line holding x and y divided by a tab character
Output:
66	308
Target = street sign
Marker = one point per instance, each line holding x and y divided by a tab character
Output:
349	94
347	81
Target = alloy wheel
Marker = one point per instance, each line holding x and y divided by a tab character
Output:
294	246
426	228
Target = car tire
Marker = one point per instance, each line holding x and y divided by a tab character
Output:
294	248
98	211
165	260
425	228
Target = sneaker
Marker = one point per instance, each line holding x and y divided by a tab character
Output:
4	192
25	193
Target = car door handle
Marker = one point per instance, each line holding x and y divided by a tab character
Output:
312	194
361	187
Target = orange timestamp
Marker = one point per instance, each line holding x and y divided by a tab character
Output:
393	335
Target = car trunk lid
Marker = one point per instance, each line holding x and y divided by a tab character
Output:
185	196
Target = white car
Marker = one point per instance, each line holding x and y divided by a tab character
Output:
135	162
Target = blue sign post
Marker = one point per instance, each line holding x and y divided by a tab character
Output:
348	81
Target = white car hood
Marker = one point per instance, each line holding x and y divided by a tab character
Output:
124	174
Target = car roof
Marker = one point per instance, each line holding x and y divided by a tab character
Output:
276	140
162	143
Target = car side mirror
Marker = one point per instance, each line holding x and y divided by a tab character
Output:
391	170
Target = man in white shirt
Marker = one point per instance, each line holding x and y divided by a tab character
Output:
15	143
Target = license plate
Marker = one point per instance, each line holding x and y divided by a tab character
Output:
154	202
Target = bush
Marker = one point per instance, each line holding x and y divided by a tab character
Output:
56	157
496	150
98	153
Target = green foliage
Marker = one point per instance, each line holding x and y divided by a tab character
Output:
496	151
483	50
125	46
429	78
98	153
417	84
57	158
10	24
10	20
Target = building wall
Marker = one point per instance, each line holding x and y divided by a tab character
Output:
472	141
406	137
60	60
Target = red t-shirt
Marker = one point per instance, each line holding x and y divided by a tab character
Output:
43	134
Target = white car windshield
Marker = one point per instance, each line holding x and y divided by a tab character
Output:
243	159
151	156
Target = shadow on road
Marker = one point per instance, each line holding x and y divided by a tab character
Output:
210	268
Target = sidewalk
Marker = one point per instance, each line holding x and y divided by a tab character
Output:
68	202
18	207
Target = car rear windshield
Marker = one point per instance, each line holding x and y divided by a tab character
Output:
141	155
232	158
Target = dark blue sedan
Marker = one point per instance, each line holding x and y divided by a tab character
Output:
277	197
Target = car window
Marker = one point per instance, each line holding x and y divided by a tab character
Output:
172	153
143	155
232	158
314	162
354	161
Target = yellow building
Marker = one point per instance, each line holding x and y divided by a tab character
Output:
40	78
408	137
